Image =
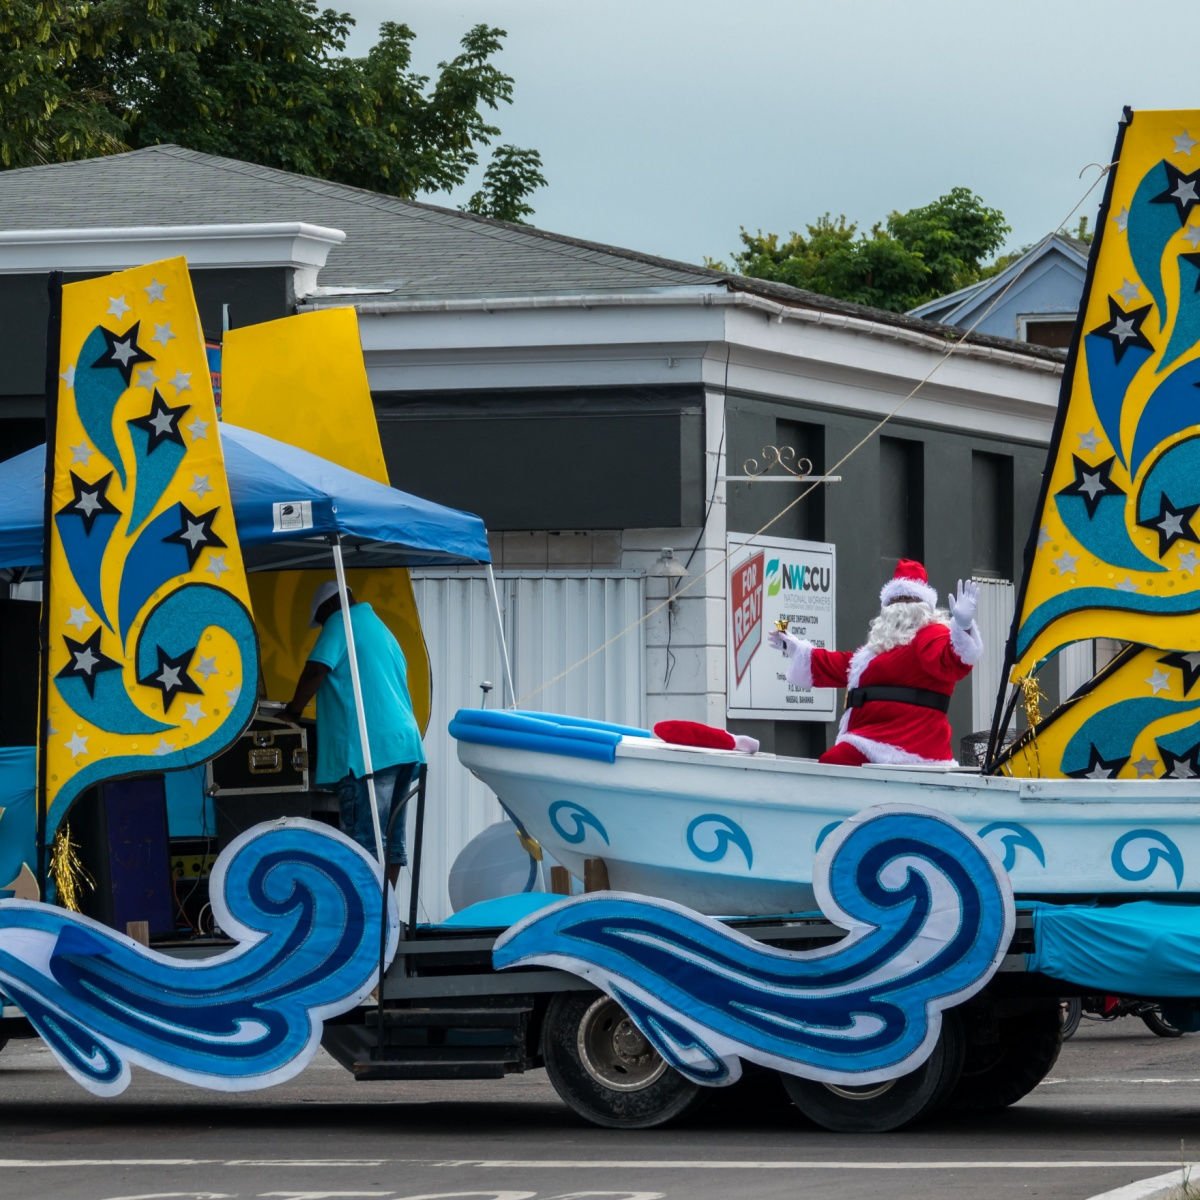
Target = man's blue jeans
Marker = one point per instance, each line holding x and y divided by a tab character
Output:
355	803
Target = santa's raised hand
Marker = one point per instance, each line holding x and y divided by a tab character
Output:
789	643
964	603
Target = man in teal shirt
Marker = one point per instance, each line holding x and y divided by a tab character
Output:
392	731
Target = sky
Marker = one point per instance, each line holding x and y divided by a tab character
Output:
665	125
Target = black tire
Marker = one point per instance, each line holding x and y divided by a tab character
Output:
1008	1057
606	1071
1159	1025
1070	1014
882	1107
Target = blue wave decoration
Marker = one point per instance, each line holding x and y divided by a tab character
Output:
304	903
929	914
154	472
1113	730
1110	380
1105	533
1170	410
581	820
1149	228
1157	847
1013	838
1186	332
724	833
85	554
97	390
152	562
1078	599
1176	475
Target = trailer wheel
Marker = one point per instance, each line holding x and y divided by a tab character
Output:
1158	1024
892	1104
604	1068
1070	1014
1009	1057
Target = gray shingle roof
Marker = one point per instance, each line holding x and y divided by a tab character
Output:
413	250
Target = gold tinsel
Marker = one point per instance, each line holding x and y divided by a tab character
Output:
68	872
1031	701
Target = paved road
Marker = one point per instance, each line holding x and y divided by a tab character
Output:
1121	1105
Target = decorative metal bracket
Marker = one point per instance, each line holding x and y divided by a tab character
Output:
796	470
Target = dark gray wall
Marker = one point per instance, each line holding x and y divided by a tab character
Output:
598	458
858	517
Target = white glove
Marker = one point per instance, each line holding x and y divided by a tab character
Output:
789	643
965	603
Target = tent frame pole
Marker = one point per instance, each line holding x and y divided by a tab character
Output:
359	709
508	681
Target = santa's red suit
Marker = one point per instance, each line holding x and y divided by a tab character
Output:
897	697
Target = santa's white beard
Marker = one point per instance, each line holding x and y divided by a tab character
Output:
897	624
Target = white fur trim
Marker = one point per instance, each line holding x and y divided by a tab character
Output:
744	743
881	752
799	669
895	588
966	643
860	660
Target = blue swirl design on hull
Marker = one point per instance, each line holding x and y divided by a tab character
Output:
725	833
1013	837
1158	847
581	820
929	913
302	900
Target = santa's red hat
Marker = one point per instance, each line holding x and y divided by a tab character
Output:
910	582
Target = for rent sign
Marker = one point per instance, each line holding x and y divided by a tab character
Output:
772	579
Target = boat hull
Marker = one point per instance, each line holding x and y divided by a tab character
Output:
731	834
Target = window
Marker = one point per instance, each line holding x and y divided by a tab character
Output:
992	515
901	501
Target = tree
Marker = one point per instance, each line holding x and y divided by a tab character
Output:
913	257
260	80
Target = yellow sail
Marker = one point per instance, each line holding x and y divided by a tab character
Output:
151	658
302	380
1115	550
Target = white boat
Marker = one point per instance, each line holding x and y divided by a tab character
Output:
730	834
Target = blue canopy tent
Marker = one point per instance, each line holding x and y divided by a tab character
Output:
384	524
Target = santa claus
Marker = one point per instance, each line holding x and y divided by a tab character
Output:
899	683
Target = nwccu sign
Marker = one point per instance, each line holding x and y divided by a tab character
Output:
772	579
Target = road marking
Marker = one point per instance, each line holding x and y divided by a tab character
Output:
603	1164
1121	1079
1149	1189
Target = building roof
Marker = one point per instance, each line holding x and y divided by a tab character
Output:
961	307
407	249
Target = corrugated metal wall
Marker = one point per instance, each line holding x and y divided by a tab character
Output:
996	603
551	620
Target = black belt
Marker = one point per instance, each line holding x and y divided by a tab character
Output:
901	695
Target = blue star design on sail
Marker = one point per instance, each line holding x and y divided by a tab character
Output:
1182	190
1098	767
122	352
1124	328
161	423
195	533
87	660
1172	524
1180	766
89	500
170	676
1092	484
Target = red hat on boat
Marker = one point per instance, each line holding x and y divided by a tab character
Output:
910	582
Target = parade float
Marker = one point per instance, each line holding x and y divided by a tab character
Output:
886	941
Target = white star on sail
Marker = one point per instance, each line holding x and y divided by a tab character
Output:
168	677
1043	536
146	378
77	744
79	618
163	747
122	352
1184	143
81	454
1185	192
194	713
1145	767
1091	485
1122	329
198	429
1192	235
182	381
85	660
216	565
1066	563
88	503
1183	770
155	291
1159	681
1089	440
68	376
1127	585
1187	560
163	334
200	485
1099	771
195	535
232	695
1171	524
207	666
163	422
1128	291
117	307
1121	220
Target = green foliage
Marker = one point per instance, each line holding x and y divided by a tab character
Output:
912	257
265	81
